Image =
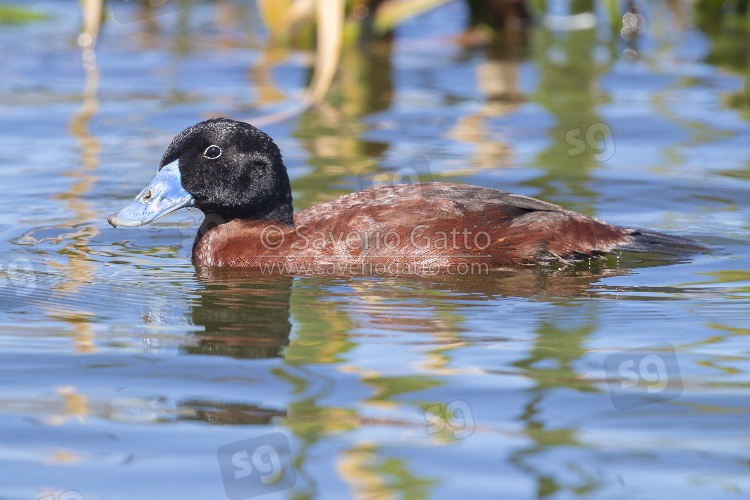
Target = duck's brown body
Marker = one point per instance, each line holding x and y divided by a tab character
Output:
411	228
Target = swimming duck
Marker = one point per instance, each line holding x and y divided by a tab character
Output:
235	175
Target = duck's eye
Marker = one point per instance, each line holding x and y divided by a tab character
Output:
212	152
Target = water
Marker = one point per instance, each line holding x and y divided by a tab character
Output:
127	373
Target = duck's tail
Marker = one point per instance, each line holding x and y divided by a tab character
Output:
647	241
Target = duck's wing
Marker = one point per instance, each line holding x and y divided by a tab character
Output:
474	194
453	223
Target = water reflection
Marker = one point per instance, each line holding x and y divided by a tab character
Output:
568	89
246	315
243	315
77	199
332	136
243	319
250	316
498	80
553	363
216	413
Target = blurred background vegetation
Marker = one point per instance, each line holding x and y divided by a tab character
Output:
350	43
330	26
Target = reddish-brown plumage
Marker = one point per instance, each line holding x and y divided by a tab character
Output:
415	228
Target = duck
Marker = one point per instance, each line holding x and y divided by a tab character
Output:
234	173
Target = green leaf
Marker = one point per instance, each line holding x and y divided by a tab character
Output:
10	14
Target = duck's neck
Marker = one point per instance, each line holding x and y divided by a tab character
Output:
281	215
213	220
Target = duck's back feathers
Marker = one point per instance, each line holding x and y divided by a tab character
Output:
436	224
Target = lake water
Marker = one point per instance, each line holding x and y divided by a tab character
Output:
125	372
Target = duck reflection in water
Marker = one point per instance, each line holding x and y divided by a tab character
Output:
242	318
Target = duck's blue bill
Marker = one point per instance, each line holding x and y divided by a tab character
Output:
164	195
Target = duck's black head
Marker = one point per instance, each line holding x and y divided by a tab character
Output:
221	166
